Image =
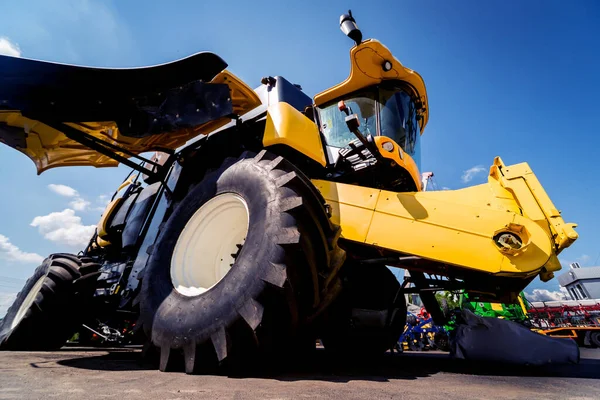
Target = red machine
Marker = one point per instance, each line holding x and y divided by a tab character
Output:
577	319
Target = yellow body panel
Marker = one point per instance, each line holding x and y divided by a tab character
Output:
49	148
112	207
288	126
366	70
452	227
405	161
354	204
108	212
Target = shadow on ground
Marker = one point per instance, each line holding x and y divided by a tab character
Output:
321	367
115	360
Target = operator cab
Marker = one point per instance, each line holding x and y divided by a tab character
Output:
383	110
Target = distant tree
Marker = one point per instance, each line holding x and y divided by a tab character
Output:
451	299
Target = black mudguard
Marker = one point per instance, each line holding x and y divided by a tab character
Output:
501	341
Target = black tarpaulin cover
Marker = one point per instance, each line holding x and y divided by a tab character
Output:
497	340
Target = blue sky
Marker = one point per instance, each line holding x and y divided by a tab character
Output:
514	79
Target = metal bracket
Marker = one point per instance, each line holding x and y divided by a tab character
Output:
428	297
109	150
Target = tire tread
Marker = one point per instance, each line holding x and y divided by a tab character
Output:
300	200
51	318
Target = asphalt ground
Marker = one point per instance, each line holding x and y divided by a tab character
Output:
78	373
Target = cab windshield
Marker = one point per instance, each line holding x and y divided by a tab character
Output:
384	111
333	123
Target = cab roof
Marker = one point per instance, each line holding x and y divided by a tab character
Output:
366	69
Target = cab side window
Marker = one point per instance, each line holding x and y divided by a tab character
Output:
399	119
392	117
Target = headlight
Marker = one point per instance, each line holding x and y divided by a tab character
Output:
388	146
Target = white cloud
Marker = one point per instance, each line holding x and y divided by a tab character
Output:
79	204
471	173
583	261
6	300
446	188
8	48
547	295
63	190
64	227
104	199
10	252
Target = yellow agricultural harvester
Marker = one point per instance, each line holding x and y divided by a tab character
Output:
276	224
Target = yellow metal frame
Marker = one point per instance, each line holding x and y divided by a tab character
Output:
522	304
458	227
566	331
534	201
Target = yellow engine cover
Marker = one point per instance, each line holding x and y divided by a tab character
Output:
288	126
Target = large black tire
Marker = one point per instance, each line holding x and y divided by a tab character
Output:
260	306
368	317
595	338
51	305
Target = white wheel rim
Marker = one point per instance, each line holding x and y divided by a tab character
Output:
29	299
208	245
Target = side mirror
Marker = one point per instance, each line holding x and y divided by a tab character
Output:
349	27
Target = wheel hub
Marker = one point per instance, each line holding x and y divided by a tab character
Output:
209	244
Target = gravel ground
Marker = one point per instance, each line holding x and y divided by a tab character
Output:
95	374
